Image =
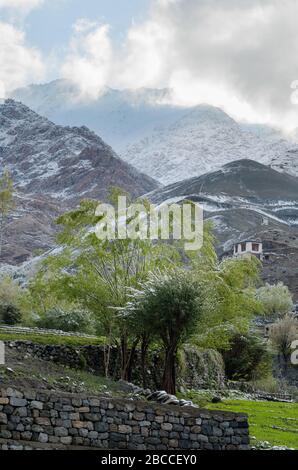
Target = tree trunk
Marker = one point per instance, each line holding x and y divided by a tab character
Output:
107	356
144	350
130	360
169	375
127	358
124	352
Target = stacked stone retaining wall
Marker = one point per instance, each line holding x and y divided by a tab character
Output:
33	419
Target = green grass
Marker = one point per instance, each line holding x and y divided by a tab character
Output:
86	381
51	339
276	423
35	373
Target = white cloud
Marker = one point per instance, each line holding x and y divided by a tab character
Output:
19	64
238	54
20	4
90	58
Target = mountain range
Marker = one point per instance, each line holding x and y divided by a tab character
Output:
245	200
244	175
53	167
169	143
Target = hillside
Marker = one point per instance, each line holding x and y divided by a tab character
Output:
53	167
246	199
170	143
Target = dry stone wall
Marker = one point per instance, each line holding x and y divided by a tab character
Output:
31	419
202	369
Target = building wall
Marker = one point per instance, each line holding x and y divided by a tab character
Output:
33	419
248	250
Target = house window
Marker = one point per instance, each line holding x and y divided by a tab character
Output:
236	248
243	246
255	247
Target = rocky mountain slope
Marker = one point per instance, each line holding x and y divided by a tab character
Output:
246	199
169	143
53	167
119	117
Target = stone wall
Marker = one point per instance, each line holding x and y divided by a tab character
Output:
33	419
200	369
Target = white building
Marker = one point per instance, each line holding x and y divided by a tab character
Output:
249	248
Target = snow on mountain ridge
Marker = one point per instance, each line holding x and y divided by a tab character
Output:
53	168
51	158
168	142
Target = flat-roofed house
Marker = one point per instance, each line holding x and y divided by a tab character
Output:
249	248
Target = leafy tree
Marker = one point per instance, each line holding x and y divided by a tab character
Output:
282	334
98	274
276	300
246	357
230	301
10	291
6	203
10	314
168	305
12	300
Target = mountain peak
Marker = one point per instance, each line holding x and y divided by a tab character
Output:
168	142
53	168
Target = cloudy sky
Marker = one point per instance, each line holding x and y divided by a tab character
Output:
241	55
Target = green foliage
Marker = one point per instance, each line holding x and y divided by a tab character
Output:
96	273
10	314
168	305
283	333
276	300
247	358
73	320
10	292
12	301
195	298
230	302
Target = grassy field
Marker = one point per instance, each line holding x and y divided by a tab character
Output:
51	339
276	423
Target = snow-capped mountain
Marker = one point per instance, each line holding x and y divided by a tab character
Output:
169	143
119	117
245	199
72	162
240	185
203	140
53	167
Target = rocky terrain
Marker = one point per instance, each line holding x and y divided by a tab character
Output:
246	199
53	167
169	143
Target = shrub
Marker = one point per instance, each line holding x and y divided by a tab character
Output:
73	320
282	334
247	358
276	300
10	314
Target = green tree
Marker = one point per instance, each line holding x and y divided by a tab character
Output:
246	358
230	301
6	203
169	306
98	274
10	314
